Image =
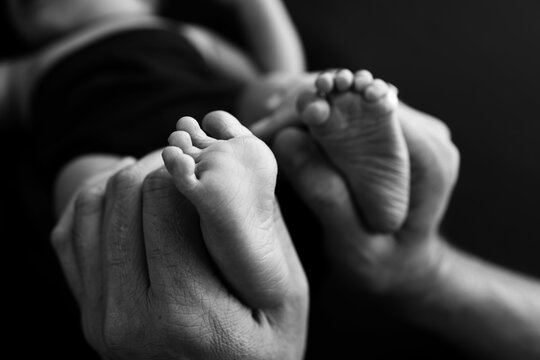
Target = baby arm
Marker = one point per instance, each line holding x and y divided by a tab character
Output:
273	38
220	54
274	42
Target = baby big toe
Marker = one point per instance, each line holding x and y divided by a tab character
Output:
224	126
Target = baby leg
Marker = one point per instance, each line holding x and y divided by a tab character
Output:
354	120
230	178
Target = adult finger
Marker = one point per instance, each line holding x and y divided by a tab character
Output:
173	240
123	255
86	244
191	294
63	246
180	270
64	234
87	226
434	168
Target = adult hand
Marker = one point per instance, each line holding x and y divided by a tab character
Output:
133	254
407	261
490	311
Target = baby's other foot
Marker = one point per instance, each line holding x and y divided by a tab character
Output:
230	178
354	120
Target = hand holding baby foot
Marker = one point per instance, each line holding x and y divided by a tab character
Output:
328	170
230	178
354	119
405	262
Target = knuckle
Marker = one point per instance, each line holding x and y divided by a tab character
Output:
127	178
89	200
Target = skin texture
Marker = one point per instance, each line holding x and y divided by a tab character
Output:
383	263
230	177
171	286
486	310
353	117
132	251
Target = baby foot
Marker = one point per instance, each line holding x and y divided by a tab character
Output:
230	178
354	120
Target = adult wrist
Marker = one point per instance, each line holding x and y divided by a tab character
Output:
443	292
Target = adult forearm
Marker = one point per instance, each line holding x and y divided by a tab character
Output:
490	311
